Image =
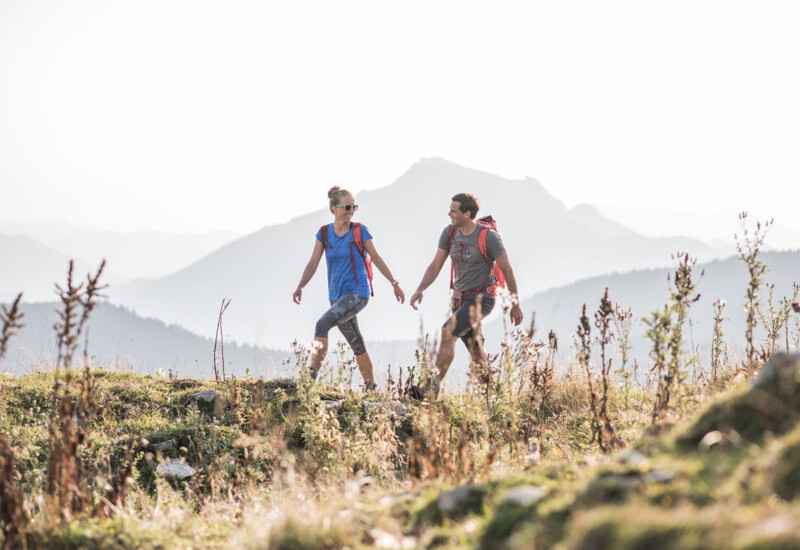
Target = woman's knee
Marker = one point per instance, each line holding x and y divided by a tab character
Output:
358	346
354	338
322	328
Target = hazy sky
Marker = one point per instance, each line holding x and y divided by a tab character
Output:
191	115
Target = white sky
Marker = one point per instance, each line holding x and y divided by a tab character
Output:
190	115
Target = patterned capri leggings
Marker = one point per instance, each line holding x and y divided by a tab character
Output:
342	314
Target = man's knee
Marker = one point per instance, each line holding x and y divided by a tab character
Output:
448	338
474	345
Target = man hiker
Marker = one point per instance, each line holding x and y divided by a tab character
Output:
479	265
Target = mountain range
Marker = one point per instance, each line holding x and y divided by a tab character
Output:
562	258
118	338
33	268
130	254
645	291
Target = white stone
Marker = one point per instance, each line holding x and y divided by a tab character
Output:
524	496
399	410
206	395
660	476
333	405
712	438
450	500
402	411
175	467
384	540
634	458
168	444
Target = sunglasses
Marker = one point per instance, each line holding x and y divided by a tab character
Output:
348	207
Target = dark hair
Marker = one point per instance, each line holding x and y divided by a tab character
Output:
469	203
335	193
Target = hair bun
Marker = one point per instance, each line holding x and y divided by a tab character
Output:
333	190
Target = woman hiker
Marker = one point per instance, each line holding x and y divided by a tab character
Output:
349	252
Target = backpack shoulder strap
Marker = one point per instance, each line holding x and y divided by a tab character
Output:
450	236
484	231
356	227
323	232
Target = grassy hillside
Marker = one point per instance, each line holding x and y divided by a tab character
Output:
510	464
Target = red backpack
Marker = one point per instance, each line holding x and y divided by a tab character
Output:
485	224
356	227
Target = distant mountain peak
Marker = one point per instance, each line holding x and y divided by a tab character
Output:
437	165
586	209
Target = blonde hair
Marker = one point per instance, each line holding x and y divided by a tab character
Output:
335	193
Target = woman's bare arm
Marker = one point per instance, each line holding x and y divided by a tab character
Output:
309	271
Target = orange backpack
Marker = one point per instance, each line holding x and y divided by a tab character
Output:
485	224
356	227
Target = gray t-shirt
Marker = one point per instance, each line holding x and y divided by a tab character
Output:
469	265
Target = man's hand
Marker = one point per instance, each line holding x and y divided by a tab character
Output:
399	294
297	296
416	298
516	314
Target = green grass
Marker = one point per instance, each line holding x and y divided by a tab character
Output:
277	469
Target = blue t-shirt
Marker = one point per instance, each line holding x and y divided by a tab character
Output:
341	279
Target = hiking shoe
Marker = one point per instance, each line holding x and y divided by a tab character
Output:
370	386
420	392
415	392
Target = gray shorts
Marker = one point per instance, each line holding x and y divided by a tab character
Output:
342	314
461	321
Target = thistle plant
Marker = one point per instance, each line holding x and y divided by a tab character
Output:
791	306
584	355
717	342
774	320
10	318
623	323
603	319
796	310
665	332
71	325
749	249
659	327
683	295
66	327
534	373
423	363
345	366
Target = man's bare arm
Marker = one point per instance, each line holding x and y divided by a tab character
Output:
511	282
430	275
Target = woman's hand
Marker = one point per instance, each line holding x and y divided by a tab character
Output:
298	295
399	294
